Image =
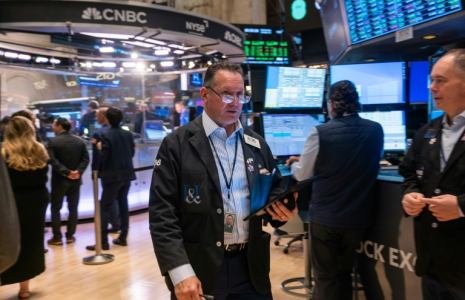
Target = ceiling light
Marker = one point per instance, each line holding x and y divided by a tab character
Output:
140	66
191	56
55	61
129	64
134	55
177	46
108	35
11	55
429	37
140	44
1	53
107	49
178	52
40	59
152	66
121	69
166	63
191	65
24	57
89	64
162	52
370	60
108	64
97	64
209	63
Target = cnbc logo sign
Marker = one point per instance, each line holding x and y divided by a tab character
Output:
109	14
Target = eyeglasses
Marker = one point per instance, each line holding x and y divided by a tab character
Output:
230	98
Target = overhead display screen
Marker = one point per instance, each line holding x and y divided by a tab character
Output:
419	82
376	83
372	18
265	45
288	87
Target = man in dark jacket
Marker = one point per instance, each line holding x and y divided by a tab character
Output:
205	171
434	186
343	155
90	117
69	159
97	163
117	150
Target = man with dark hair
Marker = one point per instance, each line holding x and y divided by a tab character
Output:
205	171
117	149
343	155
183	112
90	117
69	159
434	186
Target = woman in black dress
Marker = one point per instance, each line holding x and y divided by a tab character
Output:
26	160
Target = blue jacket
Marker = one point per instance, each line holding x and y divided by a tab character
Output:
346	169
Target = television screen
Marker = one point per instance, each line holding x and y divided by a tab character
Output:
286	134
370	19
288	87
393	123
419	82
380	83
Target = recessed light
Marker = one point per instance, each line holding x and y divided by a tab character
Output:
370	60
429	37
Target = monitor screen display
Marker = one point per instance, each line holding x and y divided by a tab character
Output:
393	123
419	82
286	134
381	83
334	29
370	19
288	87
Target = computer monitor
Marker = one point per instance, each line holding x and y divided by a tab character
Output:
380	83
154	130
286	134
393	123
419	82
290	88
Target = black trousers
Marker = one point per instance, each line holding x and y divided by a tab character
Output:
234	282
59	191
434	289
332	253
115	191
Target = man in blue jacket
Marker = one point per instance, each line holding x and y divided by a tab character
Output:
343	155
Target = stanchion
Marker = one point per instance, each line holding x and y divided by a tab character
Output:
98	258
303	283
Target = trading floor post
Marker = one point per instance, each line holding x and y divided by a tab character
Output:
99	258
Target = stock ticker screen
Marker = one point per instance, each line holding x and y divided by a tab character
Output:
369	19
265	46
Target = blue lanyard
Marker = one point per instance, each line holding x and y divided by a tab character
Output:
228	184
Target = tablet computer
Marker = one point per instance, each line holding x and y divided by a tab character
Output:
288	194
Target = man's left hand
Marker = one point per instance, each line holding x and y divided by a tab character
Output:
280	211
444	207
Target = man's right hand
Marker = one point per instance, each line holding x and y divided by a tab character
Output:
189	289
412	203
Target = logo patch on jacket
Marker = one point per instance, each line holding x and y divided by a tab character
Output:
191	194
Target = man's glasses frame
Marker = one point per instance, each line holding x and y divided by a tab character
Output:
230	98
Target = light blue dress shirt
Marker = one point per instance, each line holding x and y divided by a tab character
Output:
239	202
451	134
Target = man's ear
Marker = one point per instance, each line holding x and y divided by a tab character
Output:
203	94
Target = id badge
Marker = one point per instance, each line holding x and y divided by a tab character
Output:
229	222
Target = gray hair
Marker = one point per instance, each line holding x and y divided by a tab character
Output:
459	59
209	80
